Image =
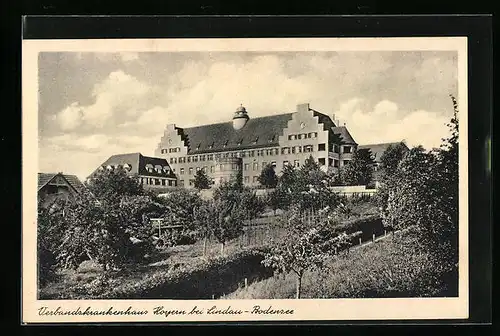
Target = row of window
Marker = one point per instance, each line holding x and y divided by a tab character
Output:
171	150
303	136
159	169
256	167
158	182
260	152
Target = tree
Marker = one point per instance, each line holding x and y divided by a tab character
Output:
50	228
312	187
391	157
111	185
304	247
201	180
268	177
359	170
95	230
422	193
179	207
217	218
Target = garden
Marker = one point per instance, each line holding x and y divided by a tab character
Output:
301	240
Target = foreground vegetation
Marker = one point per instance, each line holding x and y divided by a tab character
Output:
390	267
307	245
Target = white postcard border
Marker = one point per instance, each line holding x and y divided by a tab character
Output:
304	309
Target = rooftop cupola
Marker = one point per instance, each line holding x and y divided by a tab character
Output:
240	118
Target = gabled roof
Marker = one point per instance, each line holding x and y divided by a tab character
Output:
344	134
73	181
258	132
378	149
138	163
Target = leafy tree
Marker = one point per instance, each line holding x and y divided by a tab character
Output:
423	193
268	177
312	187
288	180
304	247
217	218
50	228
276	199
97	230
359	170
179	207
201	180
310	175
111	185
391	157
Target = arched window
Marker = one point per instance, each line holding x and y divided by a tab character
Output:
109	167
127	167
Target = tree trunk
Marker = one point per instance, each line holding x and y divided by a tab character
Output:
205	246
222	248
299	286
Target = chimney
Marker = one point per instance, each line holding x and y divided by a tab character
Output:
335	120
303	107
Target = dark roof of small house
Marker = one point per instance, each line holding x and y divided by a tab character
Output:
344	134
138	163
45	178
377	149
257	133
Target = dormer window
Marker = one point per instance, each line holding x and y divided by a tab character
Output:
225	143
101	168
109	167
149	167
198	147
127	167
166	169
271	139
255	141
211	145
240	142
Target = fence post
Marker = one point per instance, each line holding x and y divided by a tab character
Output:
373	237
246	282
385	232
359	240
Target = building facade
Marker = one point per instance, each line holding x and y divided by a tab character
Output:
54	186
280	140
153	173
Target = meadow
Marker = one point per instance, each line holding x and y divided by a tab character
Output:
393	266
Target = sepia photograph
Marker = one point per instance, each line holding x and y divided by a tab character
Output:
197	175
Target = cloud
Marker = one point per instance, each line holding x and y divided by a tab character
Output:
384	122
129	108
81	155
115	97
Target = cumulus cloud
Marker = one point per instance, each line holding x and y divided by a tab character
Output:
116	97
129	112
80	155
384	122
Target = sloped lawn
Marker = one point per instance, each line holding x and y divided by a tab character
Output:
389	268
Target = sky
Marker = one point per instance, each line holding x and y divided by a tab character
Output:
94	105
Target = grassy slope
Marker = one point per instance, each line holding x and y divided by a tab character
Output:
392	267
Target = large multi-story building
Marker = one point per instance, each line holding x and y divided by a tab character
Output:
152	172
249	144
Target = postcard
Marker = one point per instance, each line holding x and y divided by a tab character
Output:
270	179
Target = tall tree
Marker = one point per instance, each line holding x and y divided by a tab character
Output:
201	180
391	157
268	177
359	170
304	247
111	185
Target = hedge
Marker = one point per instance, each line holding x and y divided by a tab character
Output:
213	277
368	225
